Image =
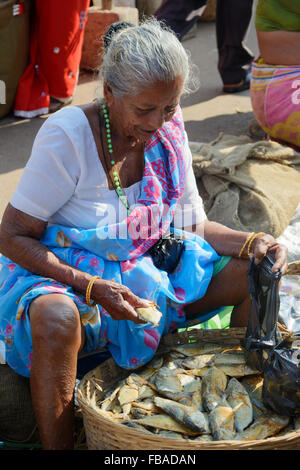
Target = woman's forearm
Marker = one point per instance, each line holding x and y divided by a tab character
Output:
225	241
37	258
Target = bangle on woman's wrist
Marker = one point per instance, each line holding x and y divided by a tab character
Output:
246	243
249	242
89	290
256	235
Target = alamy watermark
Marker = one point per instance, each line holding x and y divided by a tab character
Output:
2	92
145	221
296	94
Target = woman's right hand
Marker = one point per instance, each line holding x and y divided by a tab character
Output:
118	300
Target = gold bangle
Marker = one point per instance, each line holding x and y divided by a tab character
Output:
89	290
252	239
245	244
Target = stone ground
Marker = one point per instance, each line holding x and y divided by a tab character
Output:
207	112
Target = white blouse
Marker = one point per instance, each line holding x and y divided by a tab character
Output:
64	181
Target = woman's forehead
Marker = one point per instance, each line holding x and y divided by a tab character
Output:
158	92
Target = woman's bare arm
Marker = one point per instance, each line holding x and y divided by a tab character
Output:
20	236
228	242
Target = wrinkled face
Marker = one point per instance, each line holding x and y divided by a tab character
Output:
139	116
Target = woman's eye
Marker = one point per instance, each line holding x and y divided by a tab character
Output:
143	111
171	110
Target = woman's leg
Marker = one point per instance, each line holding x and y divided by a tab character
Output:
57	337
228	287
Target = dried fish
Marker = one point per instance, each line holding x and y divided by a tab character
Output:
265	426
237	370
110	399
198	362
197	400
240	402
137	413
213	387
166	380
170	434
230	359
221	421
203	437
127	394
149	314
147	405
200	391
193	349
186	415
164	421
254	385
146	392
126	409
137	427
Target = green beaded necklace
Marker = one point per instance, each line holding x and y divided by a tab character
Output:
115	180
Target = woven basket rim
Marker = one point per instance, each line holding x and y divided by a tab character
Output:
87	408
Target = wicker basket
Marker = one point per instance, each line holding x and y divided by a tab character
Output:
103	434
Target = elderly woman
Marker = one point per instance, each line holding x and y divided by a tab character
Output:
104	184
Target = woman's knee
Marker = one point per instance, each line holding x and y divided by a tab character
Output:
55	318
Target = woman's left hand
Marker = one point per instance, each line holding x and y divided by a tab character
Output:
267	244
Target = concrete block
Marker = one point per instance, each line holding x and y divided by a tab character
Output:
127	14
147	7
98	22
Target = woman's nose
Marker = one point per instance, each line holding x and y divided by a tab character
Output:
156	120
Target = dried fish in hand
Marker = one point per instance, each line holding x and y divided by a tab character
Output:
149	314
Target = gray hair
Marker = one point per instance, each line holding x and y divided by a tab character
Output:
139	56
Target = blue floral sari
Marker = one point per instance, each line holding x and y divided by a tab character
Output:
106	251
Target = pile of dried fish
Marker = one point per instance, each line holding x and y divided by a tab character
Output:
197	391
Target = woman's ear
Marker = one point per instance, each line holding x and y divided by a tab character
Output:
108	94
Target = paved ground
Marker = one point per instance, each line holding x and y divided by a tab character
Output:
207	112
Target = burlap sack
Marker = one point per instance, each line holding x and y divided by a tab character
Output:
17	420
248	186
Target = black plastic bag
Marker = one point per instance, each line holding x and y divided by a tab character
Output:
166	252
278	359
281	387
262	333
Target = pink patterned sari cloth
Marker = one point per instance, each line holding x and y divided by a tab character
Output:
275	97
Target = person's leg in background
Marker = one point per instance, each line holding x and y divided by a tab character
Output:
49	81
181	15
232	22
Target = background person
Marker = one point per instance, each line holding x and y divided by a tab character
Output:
275	84
232	22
